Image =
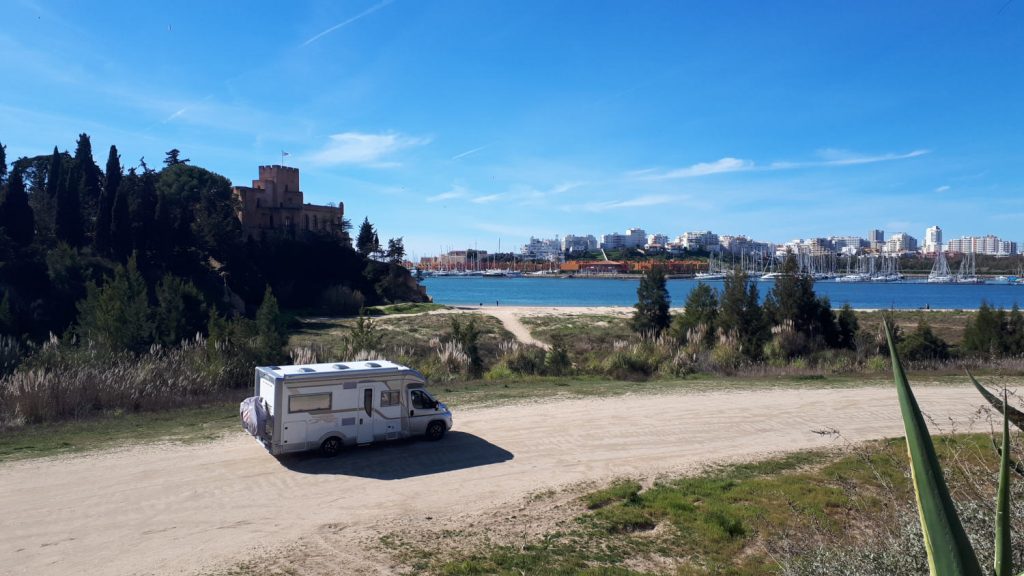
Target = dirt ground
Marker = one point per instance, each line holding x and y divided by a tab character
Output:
229	507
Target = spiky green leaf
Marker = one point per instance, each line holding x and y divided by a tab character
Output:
1004	556
1015	415
949	550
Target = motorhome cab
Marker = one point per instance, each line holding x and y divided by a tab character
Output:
327	406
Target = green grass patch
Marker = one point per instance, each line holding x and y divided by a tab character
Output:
404	308
728	520
186	425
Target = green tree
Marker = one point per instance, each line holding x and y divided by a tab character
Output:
67	223
86	178
365	241
792	299
652	303
17	219
271	332
396	250
180	310
117	315
142	207
3	163
983	333
173	158
741	315
108	198
923	344
847	327
120	218
701	309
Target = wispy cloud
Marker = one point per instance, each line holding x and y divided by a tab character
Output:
720	166
455	192
339	25
942	189
364	149
470	152
829	157
638	202
506	230
486	199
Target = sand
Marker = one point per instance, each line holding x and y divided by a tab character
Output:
174	509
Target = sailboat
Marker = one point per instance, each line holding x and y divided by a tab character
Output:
716	270
940	270
966	274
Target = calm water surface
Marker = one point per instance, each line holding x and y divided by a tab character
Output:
615	292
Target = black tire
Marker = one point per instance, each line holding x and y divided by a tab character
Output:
436	430
331	446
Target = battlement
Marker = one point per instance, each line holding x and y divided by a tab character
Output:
283	177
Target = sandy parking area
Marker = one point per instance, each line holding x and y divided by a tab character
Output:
184	509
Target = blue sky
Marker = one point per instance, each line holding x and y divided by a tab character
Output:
456	123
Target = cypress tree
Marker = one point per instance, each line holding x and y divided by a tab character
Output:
120	221
53	175
108	196
16	216
652	302
87	180
6	316
3	163
741	314
270	328
67	223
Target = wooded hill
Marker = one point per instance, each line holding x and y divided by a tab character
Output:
68	229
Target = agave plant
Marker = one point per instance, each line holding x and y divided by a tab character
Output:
949	550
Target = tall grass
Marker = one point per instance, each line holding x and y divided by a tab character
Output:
63	380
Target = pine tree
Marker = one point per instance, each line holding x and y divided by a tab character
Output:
108	197
848	327
983	333
270	327
364	242
180	310
701	309
652	303
117	315
16	216
396	250
741	315
173	159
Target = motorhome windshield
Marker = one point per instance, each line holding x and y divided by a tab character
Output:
422	400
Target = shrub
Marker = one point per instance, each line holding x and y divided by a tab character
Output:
342	301
557	362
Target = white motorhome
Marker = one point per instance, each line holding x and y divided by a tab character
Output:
328	406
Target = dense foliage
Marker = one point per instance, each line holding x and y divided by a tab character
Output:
82	248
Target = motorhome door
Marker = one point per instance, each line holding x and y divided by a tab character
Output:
364	418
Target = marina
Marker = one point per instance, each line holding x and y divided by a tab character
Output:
565	291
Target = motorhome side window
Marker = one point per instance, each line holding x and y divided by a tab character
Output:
390	398
421	400
309	402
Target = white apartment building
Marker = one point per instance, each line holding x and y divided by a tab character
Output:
549	250
900	243
990	245
703	240
932	240
659	240
573	243
633	238
742	245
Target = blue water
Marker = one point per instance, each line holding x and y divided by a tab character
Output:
614	292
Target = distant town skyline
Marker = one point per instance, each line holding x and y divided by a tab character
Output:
455	124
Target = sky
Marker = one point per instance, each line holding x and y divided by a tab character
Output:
471	123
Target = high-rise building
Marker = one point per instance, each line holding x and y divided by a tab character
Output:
901	242
991	245
876	239
932	240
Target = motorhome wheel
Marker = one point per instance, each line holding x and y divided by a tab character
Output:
331	446
435	430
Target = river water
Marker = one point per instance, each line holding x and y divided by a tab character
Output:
622	292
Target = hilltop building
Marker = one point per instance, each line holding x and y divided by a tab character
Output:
273	205
703	240
573	244
633	238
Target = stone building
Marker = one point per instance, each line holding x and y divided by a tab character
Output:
274	205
